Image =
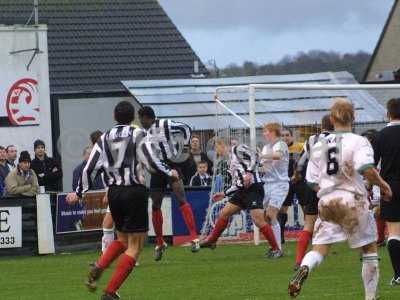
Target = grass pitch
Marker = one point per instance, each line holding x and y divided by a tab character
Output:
230	272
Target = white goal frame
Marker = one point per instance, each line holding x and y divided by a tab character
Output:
251	88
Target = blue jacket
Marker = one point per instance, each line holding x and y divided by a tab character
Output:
1	187
97	182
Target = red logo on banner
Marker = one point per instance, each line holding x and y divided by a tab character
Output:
22	102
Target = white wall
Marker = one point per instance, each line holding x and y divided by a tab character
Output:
13	68
79	118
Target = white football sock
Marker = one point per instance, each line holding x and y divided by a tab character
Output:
370	275
312	259
107	239
276	228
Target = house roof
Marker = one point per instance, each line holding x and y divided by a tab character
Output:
192	101
94	44
380	41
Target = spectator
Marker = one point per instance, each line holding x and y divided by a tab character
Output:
2	189
22	180
201	178
97	182
47	169
4	169
11	156
198	155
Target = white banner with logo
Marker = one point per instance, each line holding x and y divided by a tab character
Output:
10	227
21	74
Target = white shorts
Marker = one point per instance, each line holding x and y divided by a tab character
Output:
342	217
275	193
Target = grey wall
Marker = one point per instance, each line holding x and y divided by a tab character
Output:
78	118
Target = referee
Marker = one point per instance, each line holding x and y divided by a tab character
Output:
387	151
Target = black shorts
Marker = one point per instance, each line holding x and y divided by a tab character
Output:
251	198
300	190
311	207
160	181
390	211
128	206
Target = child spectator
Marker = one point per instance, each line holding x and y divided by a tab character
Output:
201	178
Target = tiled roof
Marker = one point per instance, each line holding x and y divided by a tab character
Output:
94	44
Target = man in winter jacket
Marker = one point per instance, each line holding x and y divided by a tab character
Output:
22	180
48	170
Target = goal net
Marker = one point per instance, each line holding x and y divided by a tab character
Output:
241	112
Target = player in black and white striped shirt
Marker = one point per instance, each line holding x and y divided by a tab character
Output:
246	192
118	154
172	140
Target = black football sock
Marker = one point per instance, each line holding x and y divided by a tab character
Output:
282	218
394	252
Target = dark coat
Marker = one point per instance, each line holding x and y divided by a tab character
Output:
192	166
48	178
196	180
4	170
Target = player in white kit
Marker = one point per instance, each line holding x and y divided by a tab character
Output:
336	169
275	160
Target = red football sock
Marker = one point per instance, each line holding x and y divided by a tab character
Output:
269	235
218	229
157	219
115	249
122	271
380	224
302	245
188	216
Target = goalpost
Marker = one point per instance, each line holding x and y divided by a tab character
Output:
248	118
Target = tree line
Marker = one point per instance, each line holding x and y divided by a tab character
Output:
303	62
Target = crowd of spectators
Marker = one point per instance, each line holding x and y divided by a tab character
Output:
27	177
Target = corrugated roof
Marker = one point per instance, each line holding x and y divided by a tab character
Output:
94	44
192	101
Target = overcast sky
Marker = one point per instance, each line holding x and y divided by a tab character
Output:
232	31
